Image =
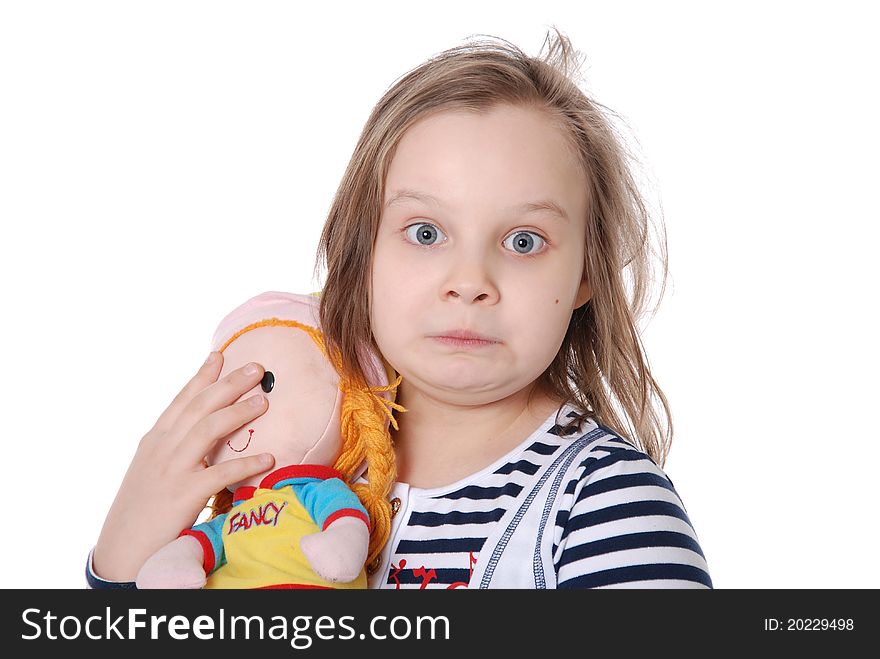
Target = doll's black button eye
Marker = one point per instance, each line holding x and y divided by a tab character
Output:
268	381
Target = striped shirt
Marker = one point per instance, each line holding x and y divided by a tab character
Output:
579	510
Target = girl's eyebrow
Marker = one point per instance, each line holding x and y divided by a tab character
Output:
542	205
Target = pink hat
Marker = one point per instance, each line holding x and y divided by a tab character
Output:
303	309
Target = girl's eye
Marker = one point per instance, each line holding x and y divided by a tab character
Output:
425	233
268	381
524	241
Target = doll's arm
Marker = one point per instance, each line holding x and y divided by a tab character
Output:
339	551
186	561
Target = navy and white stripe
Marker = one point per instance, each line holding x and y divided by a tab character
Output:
614	518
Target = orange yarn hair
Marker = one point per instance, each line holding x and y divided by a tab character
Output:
365	438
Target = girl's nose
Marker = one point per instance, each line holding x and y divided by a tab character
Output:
470	281
468	296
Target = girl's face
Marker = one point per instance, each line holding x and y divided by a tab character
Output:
466	242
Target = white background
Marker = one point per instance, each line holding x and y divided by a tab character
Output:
162	161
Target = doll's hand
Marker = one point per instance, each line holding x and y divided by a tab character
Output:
338	553
177	565
167	483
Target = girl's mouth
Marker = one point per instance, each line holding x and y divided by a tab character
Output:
239	450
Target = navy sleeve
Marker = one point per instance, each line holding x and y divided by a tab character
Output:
626	527
94	581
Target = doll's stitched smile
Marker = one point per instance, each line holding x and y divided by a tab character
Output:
239	450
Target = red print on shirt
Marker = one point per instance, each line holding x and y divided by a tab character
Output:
397	570
429	575
264	515
426	575
463	584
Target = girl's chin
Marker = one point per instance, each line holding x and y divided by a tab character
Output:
461	393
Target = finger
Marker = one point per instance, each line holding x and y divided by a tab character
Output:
213	479
203	436
206	375
222	393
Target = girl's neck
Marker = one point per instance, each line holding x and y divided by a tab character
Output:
439	443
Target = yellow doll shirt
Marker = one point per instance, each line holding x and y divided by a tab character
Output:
256	543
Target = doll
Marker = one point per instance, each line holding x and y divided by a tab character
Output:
298	525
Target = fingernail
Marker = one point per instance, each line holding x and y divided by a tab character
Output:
255	401
211	358
265	458
250	369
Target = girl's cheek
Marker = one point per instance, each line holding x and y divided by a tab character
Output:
396	256
411	259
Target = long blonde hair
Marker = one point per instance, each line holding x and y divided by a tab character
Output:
601	367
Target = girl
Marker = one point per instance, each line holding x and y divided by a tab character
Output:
481	240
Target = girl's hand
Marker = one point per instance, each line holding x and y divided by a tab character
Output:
168	483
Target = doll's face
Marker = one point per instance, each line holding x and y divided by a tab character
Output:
301	424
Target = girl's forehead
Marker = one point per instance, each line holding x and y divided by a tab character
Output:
508	157
502	124
509	151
